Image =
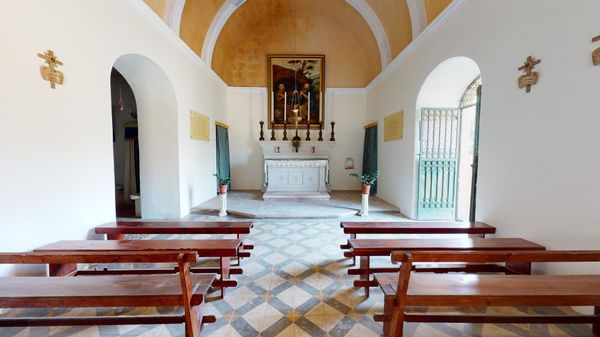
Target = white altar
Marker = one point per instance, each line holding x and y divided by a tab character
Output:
288	174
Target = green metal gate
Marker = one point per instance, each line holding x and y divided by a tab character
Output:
438	164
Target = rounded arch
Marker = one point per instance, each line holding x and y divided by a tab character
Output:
158	134
442	137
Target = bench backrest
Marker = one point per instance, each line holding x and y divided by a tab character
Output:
499	256
96	257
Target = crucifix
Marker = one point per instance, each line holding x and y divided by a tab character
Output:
530	77
49	72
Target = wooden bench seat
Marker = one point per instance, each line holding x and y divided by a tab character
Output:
118	230
181	289
406	289
366	248
472	228
224	249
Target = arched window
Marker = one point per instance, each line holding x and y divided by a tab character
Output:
469	98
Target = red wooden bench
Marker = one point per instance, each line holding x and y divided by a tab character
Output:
224	249
366	248
118	230
181	289
405	289
471	228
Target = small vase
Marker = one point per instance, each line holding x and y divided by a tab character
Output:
365	189
223	189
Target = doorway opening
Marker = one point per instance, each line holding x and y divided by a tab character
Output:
448	109
126	149
149	116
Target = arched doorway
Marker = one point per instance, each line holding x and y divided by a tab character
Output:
125	147
157	129
447	141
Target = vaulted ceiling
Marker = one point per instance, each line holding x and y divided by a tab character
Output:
358	37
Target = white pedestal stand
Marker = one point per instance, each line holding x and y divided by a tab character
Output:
365	205
223	210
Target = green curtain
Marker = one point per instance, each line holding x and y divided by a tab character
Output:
223	167
370	154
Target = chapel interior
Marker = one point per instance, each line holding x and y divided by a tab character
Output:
347	168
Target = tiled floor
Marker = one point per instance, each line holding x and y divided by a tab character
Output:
295	284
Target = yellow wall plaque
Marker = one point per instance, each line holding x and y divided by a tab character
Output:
393	127
199	126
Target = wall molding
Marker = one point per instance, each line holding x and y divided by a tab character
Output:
418	16
148	14
414	45
367	12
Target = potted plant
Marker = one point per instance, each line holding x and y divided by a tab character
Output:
366	180
223	183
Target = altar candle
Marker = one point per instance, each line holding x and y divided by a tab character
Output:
308	107
285	107
273	105
320	103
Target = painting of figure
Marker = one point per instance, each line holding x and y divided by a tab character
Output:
296	84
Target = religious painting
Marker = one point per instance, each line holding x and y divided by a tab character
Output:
296	90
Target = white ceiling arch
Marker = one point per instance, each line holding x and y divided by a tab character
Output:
230	6
365	10
175	14
418	16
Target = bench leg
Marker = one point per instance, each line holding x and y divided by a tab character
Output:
596	325
523	268
365	265
394	318
353	236
225	268
115	236
67	269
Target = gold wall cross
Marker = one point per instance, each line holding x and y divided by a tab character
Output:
530	77
49	71
596	53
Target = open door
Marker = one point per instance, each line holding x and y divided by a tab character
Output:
438	163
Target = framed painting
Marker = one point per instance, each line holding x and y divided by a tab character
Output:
296	88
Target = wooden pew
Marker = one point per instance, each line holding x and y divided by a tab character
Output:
118	230
406	289
365	248
224	249
472	228
181	289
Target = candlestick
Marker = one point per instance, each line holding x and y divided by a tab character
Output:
285	107
285	131
320	132
308	131
262	134
308	118
273	133
332	139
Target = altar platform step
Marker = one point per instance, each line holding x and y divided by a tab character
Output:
296	196
250	205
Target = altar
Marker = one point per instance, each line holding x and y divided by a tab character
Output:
288	174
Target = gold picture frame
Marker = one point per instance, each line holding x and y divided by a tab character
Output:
305	73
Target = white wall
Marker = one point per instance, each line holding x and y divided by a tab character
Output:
247	106
539	162
56	175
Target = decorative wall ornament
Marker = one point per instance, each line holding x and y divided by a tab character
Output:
596	53
530	77
49	72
